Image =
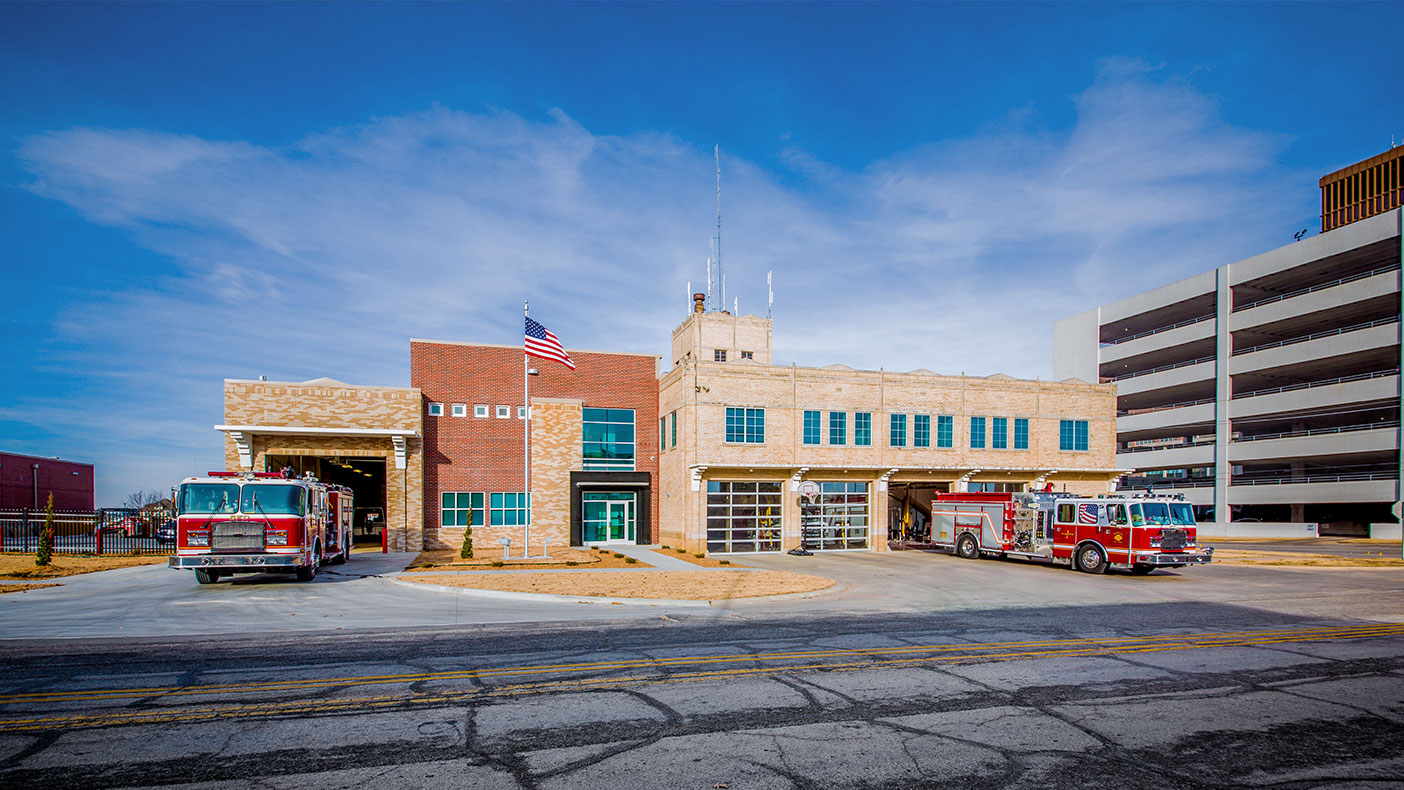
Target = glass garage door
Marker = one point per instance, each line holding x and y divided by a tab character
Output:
743	516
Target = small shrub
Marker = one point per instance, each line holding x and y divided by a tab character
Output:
665	546
45	554
466	550
630	560
699	555
680	551
572	563
496	563
724	562
619	556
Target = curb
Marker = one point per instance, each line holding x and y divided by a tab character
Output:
550	597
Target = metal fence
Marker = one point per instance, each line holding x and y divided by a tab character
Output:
104	531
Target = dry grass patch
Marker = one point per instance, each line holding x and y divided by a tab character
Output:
1244	557
560	559
21	566
19	588
704	561
686	585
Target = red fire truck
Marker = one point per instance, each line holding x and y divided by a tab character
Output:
1091	534
260	522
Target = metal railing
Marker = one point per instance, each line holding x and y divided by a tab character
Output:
1162	368
1348	477
1318	335
1149	332
1321	287
1136	484
104	531
1322	383
1126	450
1318	431
1152	409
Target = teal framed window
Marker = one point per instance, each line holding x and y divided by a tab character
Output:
608	516
977	433
607	439
456	506
662	433
746	426
1021	433
945	431
673	429
921	430
999	433
811	428
838	427
863	429
510	509
1072	435
897	431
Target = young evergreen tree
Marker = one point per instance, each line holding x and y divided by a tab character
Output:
466	550
46	537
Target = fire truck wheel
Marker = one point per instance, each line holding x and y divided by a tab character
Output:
340	558
308	572
204	576
967	548
1090	559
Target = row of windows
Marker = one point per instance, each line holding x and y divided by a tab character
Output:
748	426
719	355
479	410
505	509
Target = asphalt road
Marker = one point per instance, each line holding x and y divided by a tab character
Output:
918	671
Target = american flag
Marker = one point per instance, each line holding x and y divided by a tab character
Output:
1087	514
541	343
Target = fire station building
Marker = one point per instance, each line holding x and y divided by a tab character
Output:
719	450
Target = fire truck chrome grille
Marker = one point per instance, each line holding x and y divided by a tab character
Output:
235	536
1173	539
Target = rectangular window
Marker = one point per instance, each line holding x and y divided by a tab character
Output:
460	410
838	427
521	412
436	409
748	355
673	429
863	429
456	507
745	425
509	509
504	412
811	428
999	433
1021	433
897	433
945	431
479	410
977	432
837	518
1072	435
607	439
719	355
921	430
743	516
662	433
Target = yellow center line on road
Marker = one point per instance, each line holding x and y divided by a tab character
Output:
332	706
1200	640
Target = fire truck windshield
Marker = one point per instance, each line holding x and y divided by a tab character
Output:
209	498
1156	513
1181	514
262	499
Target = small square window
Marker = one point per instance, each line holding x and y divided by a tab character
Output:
504	412
719	355
480	410
521	412
748	355
460	410
436	409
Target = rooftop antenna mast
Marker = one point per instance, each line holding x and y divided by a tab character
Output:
721	278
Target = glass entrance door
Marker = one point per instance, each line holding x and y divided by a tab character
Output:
608	517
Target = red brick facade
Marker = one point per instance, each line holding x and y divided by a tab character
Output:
484	454
70	482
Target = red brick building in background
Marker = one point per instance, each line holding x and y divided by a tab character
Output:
27	480
594	445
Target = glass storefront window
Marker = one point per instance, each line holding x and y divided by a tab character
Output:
743	516
837	518
608	516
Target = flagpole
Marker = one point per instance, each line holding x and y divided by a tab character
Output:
526	440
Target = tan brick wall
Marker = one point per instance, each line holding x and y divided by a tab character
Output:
323	405
701	392
703	333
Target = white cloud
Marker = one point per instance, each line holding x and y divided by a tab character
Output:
322	257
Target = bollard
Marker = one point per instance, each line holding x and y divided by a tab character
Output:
384	541
97	539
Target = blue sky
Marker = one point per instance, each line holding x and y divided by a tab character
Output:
198	191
